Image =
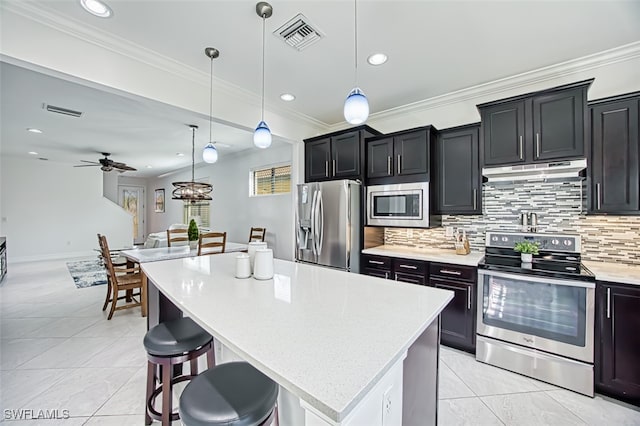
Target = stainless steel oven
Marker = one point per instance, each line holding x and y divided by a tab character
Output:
405	205
538	319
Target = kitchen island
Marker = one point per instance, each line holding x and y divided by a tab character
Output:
346	349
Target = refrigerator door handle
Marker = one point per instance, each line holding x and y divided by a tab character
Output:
313	222
320	215
347	191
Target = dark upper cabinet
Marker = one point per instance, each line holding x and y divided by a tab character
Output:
615	158
338	155
536	127
457	175
617	346
503	133
400	157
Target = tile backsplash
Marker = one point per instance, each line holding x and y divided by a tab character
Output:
560	206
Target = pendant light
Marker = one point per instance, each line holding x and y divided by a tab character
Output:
356	107
192	191
210	153
262	135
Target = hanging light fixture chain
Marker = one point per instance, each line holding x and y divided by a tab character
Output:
264	19
211	102
193	153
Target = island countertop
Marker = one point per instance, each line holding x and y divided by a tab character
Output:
327	336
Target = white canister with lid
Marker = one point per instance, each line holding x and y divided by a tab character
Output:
263	267
256	245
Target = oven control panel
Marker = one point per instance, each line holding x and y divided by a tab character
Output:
547	242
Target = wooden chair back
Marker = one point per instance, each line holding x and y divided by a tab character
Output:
176	236
257	234
122	279
212	243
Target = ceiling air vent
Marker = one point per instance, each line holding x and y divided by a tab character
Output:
60	110
299	33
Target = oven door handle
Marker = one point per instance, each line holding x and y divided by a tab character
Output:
537	279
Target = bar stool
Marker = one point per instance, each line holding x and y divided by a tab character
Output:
231	394
169	344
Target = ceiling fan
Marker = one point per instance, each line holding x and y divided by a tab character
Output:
106	164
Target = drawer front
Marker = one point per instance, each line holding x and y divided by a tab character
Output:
380	273
409	266
410	278
376	262
456	272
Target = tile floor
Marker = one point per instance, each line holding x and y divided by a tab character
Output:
58	351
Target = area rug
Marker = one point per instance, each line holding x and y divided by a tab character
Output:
87	273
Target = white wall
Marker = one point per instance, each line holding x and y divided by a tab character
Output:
52	210
232	210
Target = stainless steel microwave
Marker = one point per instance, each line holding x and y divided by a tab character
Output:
403	205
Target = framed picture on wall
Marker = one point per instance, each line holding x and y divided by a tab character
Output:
159	200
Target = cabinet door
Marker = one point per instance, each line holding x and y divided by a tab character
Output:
380	158
410	278
317	157
411	152
617	366
380	273
558	125
614	168
458	183
457	320
345	152
504	134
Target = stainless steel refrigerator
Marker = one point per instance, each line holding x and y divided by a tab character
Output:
328	224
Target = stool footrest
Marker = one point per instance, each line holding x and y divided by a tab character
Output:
153	413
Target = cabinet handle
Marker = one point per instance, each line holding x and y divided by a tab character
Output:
399	164
396	277
334	167
475	198
521	148
469	298
408	266
389	165
446	271
598	200
386	275
326	168
609	302
376	262
537	145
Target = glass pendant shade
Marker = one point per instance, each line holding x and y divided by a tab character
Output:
262	136
356	107
210	153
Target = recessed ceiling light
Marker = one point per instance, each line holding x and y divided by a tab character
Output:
32	153
287	97
179	154
32	130
149	166
377	59
97	8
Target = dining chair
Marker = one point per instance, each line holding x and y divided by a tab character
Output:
123	279
177	235
212	243
257	234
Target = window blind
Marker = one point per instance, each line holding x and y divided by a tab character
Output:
274	180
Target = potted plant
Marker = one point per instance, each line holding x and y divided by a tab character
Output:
526	249
193	234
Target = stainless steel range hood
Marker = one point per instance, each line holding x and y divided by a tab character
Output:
558	169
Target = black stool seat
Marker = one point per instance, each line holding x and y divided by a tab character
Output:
175	337
232	394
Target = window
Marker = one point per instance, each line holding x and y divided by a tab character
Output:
272	180
198	211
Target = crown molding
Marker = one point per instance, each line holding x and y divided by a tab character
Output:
47	17
607	57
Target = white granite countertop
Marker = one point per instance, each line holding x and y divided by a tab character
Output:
325	335
431	255
614	272
166	253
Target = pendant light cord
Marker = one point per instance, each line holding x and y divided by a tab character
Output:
263	26
193	153
355	42
211	101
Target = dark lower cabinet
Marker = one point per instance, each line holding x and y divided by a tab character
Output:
615	159
397	269
617	346
380	273
458	319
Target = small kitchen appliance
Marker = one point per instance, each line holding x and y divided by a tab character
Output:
537	319
404	205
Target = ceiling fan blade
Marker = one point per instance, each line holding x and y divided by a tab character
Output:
92	162
87	165
123	167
